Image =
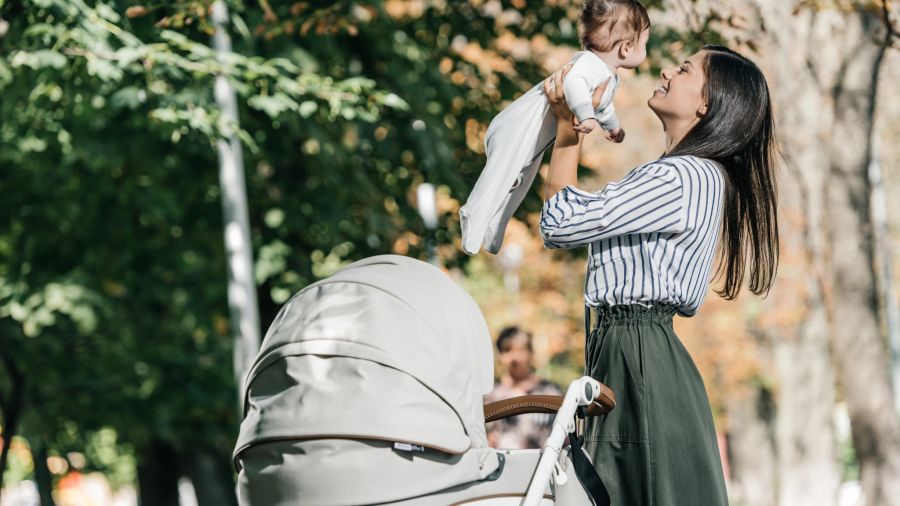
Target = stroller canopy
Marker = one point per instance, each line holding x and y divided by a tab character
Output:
388	349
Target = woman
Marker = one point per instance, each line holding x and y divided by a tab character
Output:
652	238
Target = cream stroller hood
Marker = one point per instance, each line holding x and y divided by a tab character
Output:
388	349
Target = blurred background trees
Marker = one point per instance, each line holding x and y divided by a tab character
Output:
114	332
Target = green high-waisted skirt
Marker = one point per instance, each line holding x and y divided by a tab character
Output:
658	446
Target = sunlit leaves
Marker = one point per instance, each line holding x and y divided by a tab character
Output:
40	309
38	59
174	66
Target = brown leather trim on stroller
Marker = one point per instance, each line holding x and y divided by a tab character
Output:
603	403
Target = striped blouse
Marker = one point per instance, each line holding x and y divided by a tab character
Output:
652	235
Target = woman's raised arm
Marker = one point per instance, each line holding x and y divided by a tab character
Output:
649	199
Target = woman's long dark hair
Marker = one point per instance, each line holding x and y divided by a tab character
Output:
738	132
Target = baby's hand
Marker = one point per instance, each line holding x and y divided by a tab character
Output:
587	126
617	135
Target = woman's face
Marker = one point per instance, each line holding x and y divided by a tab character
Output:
679	94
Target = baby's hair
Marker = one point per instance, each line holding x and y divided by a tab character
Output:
606	23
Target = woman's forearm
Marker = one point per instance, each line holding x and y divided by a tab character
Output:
564	159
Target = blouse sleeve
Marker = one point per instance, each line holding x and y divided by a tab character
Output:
649	199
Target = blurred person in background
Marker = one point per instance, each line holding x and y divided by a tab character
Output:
518	378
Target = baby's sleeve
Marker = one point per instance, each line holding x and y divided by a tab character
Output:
577	86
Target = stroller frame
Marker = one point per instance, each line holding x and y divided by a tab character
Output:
583	392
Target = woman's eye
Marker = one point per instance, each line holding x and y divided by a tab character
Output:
682	69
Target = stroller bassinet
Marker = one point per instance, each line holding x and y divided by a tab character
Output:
368	389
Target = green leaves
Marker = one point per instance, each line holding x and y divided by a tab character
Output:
174	73
42	307
38	59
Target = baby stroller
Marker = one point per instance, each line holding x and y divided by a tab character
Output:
368	390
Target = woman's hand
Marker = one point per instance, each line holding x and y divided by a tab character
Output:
553	89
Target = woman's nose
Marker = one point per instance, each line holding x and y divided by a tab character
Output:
666	74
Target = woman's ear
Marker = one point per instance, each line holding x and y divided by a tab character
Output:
702	111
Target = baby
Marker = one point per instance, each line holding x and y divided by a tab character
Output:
614	34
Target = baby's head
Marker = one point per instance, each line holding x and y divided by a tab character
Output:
617	28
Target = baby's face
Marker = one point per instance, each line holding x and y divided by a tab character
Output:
638	52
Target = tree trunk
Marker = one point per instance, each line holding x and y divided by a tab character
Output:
885	276
212	477
242	298
808	473
752	447
12	403
41	474
11	412
788	41
860	349
826	63
158	474
825	59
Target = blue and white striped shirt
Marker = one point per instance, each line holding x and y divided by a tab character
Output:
652	235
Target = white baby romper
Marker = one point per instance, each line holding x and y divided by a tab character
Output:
515	143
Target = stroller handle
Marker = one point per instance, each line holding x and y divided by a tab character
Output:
604	402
